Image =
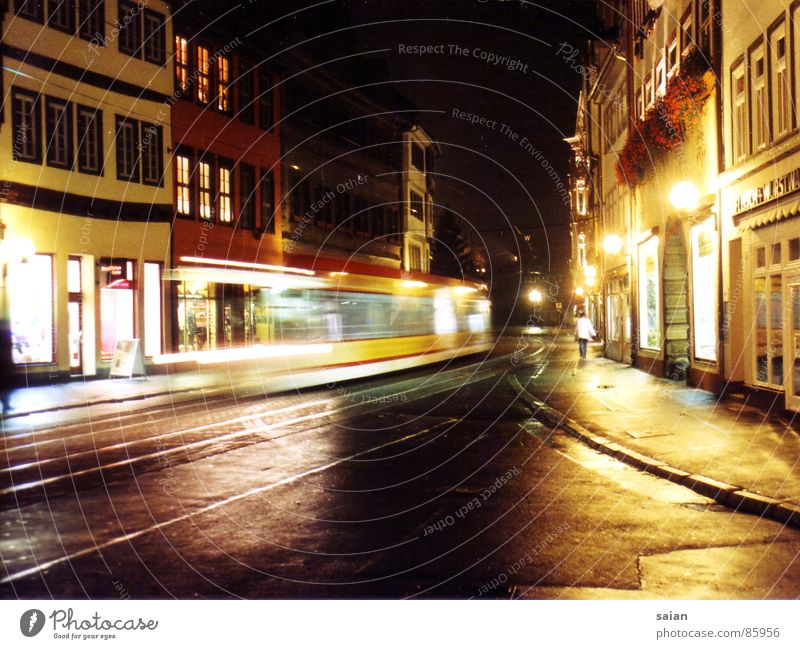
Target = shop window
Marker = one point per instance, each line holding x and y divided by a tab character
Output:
223	79
182	65
116	304
197	317
155	41
769	330
203	75
152	309
26	134
92	20
704	285
61	15
649	296
30	9
739	131
266	195
29	285
90	144
152	155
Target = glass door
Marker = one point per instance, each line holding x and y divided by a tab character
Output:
792	346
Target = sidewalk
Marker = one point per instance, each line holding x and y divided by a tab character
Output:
738	455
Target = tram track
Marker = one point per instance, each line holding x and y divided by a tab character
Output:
36	470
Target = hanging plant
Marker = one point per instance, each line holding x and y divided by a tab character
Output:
666	124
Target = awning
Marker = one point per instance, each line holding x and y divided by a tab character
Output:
774	212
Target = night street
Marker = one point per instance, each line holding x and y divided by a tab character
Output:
423	484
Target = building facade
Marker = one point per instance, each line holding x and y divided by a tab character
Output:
226	237
760	200
86	195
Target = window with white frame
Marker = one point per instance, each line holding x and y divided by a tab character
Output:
152	156
759	100
781	81
26	134
58	130
661	76
90	142
687	38
739	131
672	55
649	96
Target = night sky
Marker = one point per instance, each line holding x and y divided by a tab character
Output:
487	176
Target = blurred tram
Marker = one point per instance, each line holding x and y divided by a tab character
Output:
299	321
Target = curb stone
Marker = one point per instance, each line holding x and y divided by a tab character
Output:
730	496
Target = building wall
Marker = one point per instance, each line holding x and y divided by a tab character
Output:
759	199
95	217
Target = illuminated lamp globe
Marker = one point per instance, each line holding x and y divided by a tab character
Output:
612	244
579	291
535	296
684	195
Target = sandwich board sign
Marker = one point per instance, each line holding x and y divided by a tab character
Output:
127	359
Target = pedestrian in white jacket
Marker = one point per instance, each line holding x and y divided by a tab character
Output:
584	332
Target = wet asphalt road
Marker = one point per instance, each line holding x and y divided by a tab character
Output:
435	484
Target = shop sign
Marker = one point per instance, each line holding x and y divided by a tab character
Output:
769	191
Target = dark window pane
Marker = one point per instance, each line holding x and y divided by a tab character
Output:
92	20
61	15
247	186
267	198
127	149
129	26
154	38
90	140
152	155
58	122
26	143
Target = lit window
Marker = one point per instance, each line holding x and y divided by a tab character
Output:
224	196
204	182
183	184
181	64
649	295
203	75
223	78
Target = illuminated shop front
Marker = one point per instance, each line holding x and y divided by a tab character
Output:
30	295
704	287
649	295
116	303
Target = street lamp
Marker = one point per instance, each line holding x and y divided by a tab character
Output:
612	244
535	296
684	195
579	291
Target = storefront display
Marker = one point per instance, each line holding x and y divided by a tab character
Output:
649	295
116	304
30	295
704	283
